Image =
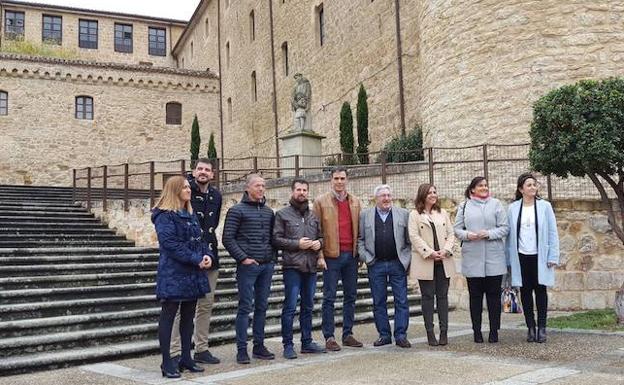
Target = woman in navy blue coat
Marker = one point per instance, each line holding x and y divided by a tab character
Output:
181	278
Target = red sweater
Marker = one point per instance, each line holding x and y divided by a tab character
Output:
345	227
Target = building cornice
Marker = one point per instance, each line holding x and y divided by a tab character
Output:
85	11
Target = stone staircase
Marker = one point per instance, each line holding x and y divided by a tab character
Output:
72	291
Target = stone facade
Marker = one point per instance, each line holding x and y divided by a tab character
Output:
471	70
42	140
105	52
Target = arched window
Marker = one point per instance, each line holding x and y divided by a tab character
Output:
285	57
227	54
206	27
252	26
229	109
4	103
84	107
254	87
174	113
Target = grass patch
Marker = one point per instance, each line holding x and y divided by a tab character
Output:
25	47
594	319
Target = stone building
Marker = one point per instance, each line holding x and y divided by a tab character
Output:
467	72
86	88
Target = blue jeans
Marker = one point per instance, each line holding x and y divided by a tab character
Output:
298	283
379	275
343	268
254	288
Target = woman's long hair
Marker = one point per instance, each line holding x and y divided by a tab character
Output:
521	179
170	197
421	197
473	183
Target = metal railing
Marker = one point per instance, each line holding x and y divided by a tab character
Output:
450	168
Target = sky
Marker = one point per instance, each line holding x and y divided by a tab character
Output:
171	9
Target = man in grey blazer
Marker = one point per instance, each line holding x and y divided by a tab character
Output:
384	245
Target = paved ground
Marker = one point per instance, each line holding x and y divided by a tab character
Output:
568	358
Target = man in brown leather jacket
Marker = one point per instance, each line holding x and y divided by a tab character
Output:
339	213
297	232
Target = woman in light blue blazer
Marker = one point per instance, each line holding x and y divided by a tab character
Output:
532	252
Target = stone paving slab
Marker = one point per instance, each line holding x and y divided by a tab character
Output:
567	358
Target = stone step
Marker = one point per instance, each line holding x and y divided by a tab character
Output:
45	225
6	219
18	198
108	286
5	206
55	230
224	314
85	338
37	261
66	243
65	358
61	238
62	215
56	251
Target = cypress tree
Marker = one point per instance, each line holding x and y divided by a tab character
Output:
362	125
346	133
195	141
212	149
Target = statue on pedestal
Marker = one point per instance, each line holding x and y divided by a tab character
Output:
301	102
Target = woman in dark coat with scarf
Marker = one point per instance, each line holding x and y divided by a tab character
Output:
180	280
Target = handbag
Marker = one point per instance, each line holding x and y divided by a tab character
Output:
510	302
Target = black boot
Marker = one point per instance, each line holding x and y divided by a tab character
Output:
493	337
478	337
531	335
541	335
443	338
431	338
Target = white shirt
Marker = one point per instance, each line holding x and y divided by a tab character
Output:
527	242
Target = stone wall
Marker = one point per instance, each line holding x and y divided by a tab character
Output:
592	257
42	140
472	69
106	33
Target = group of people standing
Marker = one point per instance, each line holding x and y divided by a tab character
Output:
336	236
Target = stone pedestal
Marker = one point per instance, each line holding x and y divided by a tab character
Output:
305	144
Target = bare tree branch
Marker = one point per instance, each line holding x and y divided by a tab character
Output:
610	212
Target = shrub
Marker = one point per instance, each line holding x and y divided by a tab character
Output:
406	148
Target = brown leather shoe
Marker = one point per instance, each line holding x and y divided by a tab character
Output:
403	343
331	345
352	342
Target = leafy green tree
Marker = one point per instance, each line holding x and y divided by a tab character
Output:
578	130
212	149
195	141
406	148
346	133
362	125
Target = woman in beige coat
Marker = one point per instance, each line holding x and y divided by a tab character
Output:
432	237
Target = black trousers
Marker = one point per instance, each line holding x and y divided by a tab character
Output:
165	326
530	285
491	287
438	288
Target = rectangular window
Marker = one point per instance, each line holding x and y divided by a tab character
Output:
123	38
4	103
88	34
254	87
157	41
14	25
173	113
52	31
229	109
84	107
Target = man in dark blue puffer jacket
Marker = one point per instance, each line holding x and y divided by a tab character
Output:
247	237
